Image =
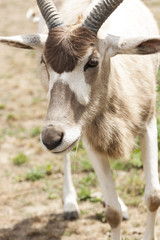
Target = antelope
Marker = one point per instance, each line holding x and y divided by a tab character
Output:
99	65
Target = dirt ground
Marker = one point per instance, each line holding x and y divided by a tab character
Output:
26	211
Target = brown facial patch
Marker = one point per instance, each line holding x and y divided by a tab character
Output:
65	46
64	109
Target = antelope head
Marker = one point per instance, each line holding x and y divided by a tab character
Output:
77	67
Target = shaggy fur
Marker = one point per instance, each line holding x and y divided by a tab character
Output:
65	46
123	112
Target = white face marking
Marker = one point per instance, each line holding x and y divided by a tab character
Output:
75	80
77	84
53	78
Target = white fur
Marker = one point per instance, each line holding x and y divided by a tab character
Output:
123	208
76	82
149	149
69	193
104	174
130	11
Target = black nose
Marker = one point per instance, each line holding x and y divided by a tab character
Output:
51	138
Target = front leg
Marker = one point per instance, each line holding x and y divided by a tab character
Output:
149	148
104	174
71	209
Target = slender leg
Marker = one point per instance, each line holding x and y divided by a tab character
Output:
104	174
71	209
124	209
149	150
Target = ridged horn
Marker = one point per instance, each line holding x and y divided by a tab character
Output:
50	14
100	13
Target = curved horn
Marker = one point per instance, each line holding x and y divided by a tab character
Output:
100	13
49	13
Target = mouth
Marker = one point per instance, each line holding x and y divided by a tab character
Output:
65	150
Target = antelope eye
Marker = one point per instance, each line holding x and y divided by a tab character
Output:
93	62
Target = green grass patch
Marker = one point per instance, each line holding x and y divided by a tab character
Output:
52	191
134	201
80	162
132	184
38	172
86	165
11	117
84	194
35	131
79	159
18	178
135	159
37	100
120	165
2	106
101	217
135	185
134	162
35	174
6	76
80	146
12	131
48	169
52	196
90	180
68	233
83	212
20	159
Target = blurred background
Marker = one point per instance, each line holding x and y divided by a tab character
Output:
31	178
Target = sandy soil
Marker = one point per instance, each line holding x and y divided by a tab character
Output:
26	212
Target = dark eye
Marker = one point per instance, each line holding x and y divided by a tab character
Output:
93	62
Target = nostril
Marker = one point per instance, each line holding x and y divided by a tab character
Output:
51	138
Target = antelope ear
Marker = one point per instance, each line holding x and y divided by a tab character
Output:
36	41
139	45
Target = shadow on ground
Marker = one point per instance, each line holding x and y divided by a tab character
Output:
46	227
